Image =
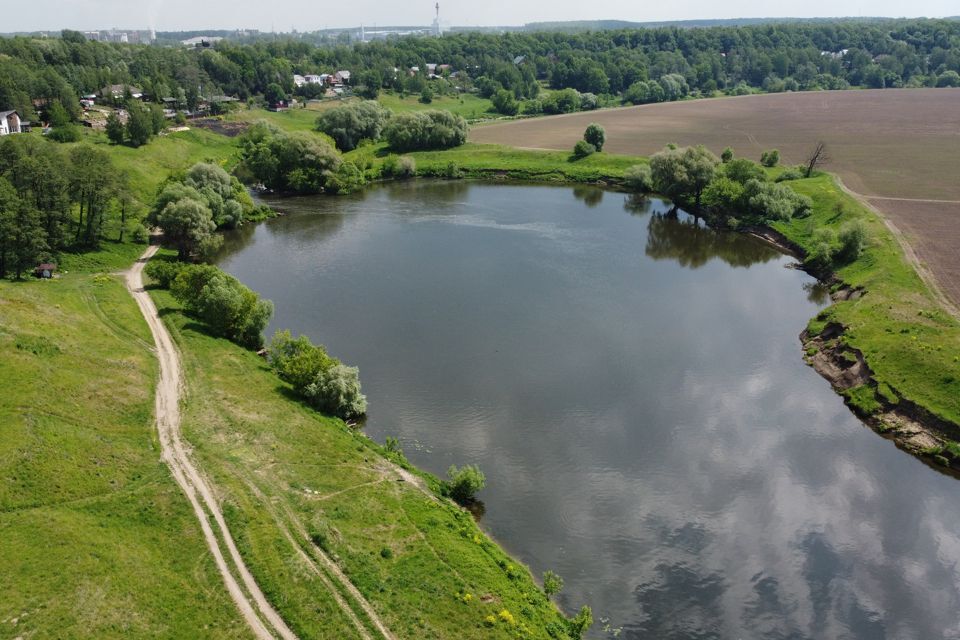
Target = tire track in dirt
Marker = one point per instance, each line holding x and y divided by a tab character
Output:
926	275
262	618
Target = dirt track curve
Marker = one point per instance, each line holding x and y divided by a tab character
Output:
263	620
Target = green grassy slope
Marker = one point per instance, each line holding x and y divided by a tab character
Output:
96	538
413	557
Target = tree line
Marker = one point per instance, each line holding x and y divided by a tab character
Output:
636	65
54	199
304	162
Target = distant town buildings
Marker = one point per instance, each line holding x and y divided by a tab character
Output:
834	54
436	29
201	41
113	35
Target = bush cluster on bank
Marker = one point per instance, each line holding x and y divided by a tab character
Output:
190	207
224	304
694	176
306	163
739	191
298	162
424	130
323	381
350	124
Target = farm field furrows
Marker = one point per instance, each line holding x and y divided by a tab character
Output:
898	148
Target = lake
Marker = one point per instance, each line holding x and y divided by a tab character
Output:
632	384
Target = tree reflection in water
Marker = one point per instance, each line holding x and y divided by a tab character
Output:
588	194
676	235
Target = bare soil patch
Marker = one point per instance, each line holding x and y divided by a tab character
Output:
932	229
895	143
224	128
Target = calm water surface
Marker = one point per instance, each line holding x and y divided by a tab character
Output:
632	385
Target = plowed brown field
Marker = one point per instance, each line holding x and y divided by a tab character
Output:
900	148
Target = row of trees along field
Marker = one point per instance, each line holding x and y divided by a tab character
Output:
53	200
773	57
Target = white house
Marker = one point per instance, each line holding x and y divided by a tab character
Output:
9	122
314	79
299	80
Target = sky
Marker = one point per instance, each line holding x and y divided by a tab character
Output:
309	15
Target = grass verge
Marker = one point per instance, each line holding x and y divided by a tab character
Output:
96	538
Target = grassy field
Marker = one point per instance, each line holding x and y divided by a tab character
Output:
501	162
424	564
899	144
470	106
96	539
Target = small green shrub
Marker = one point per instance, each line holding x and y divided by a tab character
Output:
163	272
581	622
552	583
637	178
66	133
852	238
140	234
583	149
793	173
399	167
463	483
336	391
770	158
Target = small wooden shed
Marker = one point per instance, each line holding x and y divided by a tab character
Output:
45	270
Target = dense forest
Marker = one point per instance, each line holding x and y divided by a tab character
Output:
615	65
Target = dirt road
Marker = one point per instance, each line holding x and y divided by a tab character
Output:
263	620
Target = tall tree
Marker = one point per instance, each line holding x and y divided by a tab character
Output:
9	205
29	241
93	186
115	129
139	124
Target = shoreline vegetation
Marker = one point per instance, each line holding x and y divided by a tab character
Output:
885	344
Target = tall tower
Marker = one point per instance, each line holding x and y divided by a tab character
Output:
437	29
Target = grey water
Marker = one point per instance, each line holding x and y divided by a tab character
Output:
632	384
